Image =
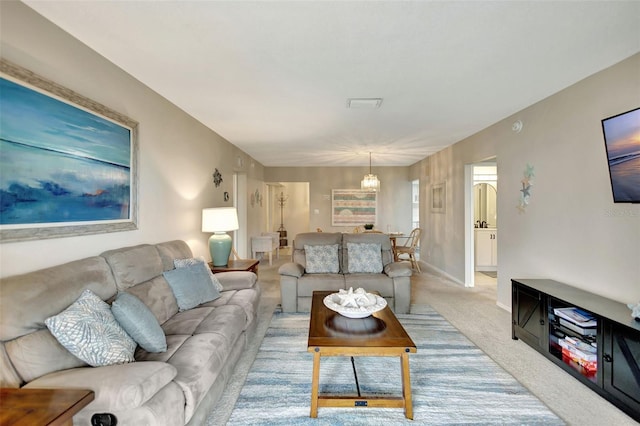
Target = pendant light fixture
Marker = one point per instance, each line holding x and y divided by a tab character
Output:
370	182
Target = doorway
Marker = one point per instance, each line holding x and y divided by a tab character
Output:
293	215
240	238
481	224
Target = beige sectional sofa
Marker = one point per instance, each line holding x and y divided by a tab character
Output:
298	282
175	387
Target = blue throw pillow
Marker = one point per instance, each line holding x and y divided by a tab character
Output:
181	263
191	286
89	331
139	322
364	258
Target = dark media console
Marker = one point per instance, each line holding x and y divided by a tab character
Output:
604	355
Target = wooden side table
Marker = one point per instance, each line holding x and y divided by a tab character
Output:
250	265
55	407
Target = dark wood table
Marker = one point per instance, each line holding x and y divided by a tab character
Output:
250	265
28	407
381	334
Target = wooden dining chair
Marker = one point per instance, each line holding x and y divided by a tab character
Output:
409	248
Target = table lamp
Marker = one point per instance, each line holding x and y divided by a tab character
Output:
219	221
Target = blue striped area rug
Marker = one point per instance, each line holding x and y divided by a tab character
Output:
453	382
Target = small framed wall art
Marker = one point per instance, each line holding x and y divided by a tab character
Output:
438	197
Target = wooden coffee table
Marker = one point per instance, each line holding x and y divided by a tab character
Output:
42	406
331	334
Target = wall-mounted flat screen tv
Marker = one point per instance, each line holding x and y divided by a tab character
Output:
622	142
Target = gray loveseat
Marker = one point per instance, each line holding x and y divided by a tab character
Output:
297	283
175	387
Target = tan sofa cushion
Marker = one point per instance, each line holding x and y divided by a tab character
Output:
116	387
29	359
9	377
171	250
26	300
158	297
199	342
134	265
309	283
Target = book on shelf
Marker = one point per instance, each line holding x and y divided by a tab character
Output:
585	331
579	352
590	348
588	368
577	316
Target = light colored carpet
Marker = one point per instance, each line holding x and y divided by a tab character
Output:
453	382
474	312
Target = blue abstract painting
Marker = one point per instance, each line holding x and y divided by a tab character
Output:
60	163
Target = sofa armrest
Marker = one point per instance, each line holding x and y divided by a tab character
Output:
236	280
116	387
398	269
291	269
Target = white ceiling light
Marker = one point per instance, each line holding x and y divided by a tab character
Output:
364	103
370	182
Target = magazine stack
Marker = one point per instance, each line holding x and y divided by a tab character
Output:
575	333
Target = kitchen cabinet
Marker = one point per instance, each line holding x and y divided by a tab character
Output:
486	249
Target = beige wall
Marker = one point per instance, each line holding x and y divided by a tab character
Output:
572	231
177	154
394	199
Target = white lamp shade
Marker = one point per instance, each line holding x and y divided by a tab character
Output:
220	219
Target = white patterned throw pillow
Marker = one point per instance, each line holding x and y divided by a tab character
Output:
322	259
89	331
364	258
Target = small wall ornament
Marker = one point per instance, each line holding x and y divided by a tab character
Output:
217	178
525	192
256	198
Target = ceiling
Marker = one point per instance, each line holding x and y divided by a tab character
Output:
273	78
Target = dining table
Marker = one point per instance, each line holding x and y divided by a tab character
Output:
393	236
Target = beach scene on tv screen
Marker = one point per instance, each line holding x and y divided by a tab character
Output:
622	140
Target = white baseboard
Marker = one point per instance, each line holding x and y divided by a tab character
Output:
457	281
441	272
503	306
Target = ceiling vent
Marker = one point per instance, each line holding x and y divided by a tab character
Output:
364	103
